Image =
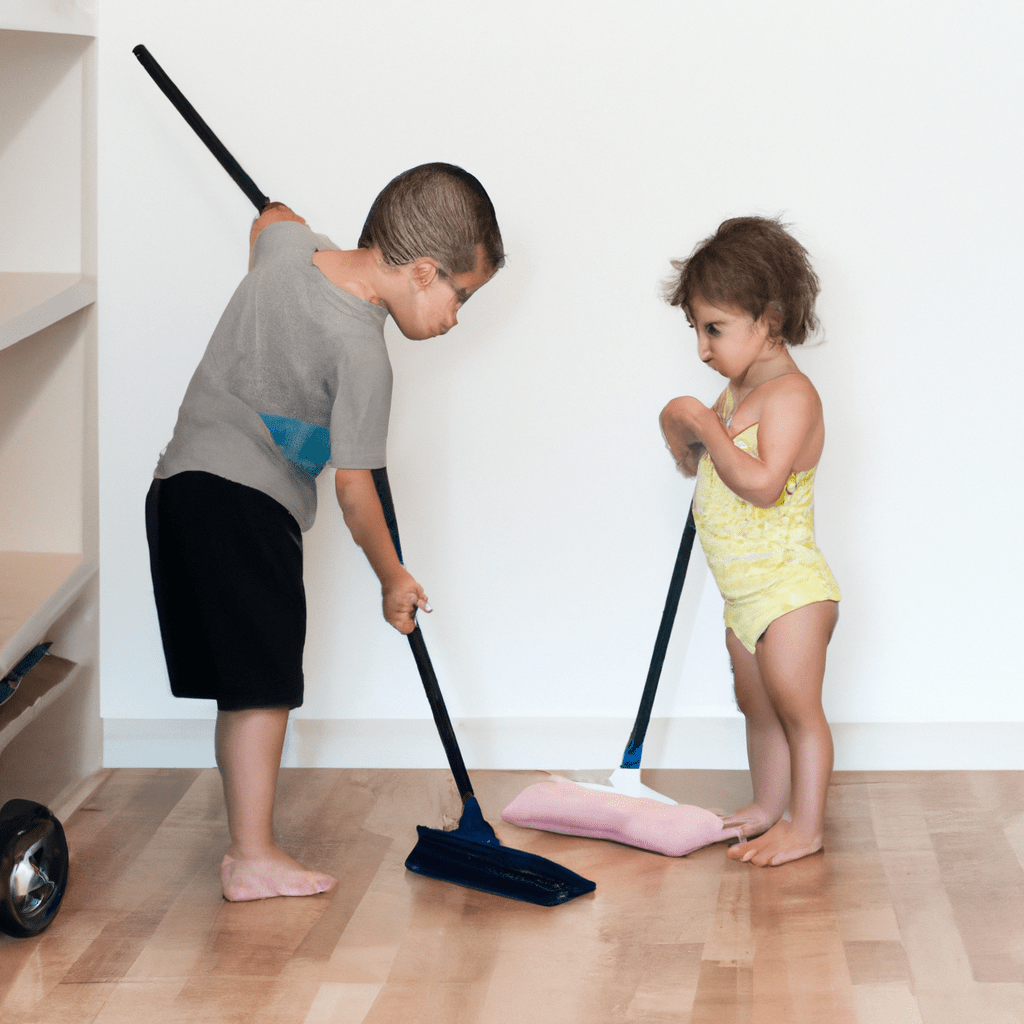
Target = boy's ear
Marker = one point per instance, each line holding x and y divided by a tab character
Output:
424	272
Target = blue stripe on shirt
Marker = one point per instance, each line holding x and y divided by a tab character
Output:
305	444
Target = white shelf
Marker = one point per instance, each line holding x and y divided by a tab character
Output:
29	303
50	730
63	17
36	588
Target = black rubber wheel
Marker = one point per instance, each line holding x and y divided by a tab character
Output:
33	867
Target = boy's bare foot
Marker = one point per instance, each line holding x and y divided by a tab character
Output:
753	820
275	874
781	843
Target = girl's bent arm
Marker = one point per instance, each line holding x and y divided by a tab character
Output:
789	415
360	506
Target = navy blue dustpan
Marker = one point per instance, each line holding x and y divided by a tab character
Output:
472	855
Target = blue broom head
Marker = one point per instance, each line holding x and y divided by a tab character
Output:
631	755
472	856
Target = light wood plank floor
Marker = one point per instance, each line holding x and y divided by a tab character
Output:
914	915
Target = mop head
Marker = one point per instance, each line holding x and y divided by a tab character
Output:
558	805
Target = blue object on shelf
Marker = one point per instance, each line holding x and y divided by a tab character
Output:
9	683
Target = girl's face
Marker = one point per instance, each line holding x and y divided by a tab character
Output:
729	339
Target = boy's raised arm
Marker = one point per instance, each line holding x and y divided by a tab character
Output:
360	506
271	214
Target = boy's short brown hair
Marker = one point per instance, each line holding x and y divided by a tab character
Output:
436	211
753	263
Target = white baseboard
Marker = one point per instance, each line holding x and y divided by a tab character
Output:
562	744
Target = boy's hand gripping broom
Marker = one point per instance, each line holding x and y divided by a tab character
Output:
626	810
471	855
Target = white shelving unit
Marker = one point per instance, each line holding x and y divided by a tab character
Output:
50	730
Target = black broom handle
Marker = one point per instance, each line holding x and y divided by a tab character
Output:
419	651
668	617
201	128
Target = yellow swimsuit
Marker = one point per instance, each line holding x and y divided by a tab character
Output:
764	560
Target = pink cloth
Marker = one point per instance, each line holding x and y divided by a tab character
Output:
558	805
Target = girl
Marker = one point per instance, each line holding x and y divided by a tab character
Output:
749	293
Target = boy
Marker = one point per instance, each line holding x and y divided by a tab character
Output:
296	376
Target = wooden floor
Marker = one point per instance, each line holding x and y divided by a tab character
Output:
914	915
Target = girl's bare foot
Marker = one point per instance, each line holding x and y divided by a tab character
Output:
272	874
753	820
781	843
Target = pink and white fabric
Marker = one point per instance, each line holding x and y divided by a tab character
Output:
558	805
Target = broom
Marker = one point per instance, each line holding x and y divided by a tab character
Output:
472	855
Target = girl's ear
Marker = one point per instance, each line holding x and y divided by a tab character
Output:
774	317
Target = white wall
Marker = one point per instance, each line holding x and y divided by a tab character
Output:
537	503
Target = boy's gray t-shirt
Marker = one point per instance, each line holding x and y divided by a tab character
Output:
296	376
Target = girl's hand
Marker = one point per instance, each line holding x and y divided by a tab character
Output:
681	423
401	596
688	461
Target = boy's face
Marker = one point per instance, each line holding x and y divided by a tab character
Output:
428	303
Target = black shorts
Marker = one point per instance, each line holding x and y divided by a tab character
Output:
227	576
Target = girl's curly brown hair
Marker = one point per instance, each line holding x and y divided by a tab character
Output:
753	263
